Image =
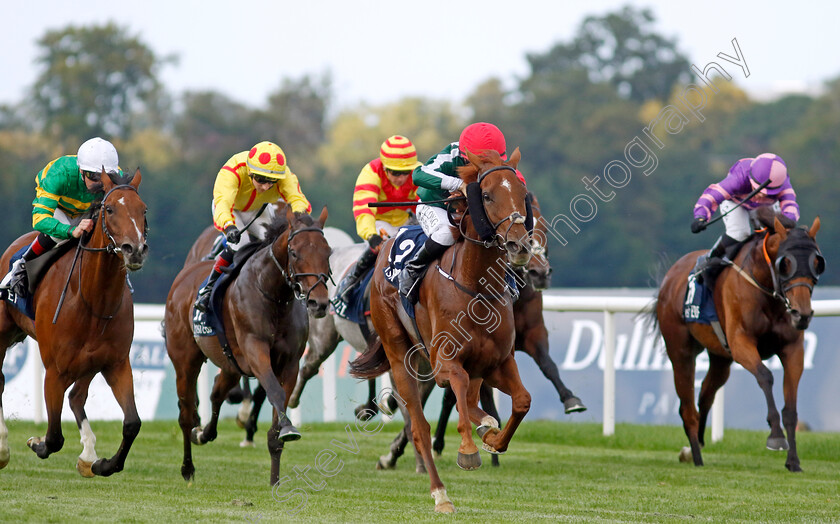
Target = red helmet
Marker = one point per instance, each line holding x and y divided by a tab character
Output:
482	136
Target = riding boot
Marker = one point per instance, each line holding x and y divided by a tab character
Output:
414	270
222	261
16	280
722	252
366	260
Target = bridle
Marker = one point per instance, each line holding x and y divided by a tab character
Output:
112	246
497	240
289	274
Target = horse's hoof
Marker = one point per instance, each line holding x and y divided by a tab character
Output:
289	433
445	507
490	449
420	469
4	458
777	444
84	468
574	405
240	422
469	462
383	463
195	436
482	429
685	454
442	502
794	468
364	413
246	443
33	441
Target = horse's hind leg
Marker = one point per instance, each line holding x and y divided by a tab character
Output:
536	345
397	448
186	376
445	411
323	339
683	363
122	385
224	382
369	409
53	441
485	395
716	377
250	425
78	397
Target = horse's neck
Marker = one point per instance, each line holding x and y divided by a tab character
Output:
272	273
102	272
480	268
760	270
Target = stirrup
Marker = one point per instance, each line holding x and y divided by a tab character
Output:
203	302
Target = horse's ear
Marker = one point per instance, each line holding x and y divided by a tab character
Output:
323	218
780	229
474	159
107	181
135	180
814	228
513	159
290	215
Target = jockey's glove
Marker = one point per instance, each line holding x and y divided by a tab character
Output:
374	241
232	234
698	225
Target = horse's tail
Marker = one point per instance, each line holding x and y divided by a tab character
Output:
657	275
372	362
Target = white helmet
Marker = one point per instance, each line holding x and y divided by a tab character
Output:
97	153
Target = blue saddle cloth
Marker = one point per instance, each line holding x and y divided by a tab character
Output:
356	307
699	304
23	302
408	241
203	322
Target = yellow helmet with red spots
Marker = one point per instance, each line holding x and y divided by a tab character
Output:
268	160
398	154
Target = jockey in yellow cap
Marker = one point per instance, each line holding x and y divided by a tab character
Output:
246	182
384	179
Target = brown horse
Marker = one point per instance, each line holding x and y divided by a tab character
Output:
92	332
764	304
265	317
465	324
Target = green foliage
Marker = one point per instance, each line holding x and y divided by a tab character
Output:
95	80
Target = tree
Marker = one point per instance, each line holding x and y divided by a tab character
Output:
620	48
95	80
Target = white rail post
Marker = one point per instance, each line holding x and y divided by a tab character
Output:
609	373
717	417
204	408
34	353
328	388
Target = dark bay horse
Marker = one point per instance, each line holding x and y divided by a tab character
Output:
94	328
764	304
466	324
265	317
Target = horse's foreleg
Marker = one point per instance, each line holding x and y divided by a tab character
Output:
53	441
716	377
793	364
468	456
445	411
488	404
121	381
506	379
536	345
224	382
749	358
186	375
77	398
369	409
4	431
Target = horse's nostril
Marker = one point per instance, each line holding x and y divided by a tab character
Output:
127	249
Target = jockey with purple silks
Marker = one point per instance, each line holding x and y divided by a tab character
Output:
744	177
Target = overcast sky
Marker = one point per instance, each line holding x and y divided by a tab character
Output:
380	51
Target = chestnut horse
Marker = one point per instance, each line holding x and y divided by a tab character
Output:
763	302
93	330
479	313
265	317
531	337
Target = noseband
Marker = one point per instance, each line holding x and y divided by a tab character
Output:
796	258
515	218
291	277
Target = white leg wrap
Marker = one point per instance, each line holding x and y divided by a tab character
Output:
490	422
440	496
4	440
88	442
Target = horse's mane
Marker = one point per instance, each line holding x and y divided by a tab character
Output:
765	216
469	172
277	227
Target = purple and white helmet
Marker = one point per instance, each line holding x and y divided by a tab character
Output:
768	166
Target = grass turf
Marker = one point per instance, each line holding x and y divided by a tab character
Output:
552	472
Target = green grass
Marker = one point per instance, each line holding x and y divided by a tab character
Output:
553	471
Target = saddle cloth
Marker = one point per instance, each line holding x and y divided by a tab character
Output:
357	306
699	305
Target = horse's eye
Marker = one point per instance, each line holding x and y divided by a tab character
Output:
109	210
292	253
486	197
